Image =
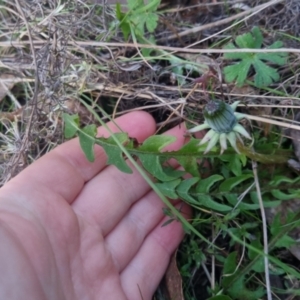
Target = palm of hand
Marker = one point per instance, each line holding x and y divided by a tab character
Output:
75	230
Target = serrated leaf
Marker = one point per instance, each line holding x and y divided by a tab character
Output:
243	159
139	24
175	173
284	196
124	25
119	13
277	44
188	161
285	242
151	6
264	74
276	227
204	185
138	17
168	188
151	22
286	268
250	40
206	201
235	165
282	179
233	55
229	268
257	37
152	163
267	204
259	265
245	40
71	123
238	290
230	183
132	4
184	187
233	199
87	141
113	152
237	72
157	143
279	58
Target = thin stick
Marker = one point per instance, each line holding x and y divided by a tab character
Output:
265	234
221	22
270	121
40	43
253	12
213	264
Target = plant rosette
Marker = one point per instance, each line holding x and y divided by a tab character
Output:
222	120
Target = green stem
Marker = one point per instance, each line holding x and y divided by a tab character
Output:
174	211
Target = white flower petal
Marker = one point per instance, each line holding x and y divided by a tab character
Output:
223	142
234	105
240	129
198	128
209	135
212	142
232	140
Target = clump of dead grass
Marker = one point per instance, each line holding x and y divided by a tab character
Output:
76	48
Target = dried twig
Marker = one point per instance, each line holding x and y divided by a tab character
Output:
265	231
25	139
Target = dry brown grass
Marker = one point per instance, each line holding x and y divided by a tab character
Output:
52	54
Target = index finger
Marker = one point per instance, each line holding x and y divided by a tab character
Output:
65	169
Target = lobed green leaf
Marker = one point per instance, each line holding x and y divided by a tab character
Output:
184	187
229	268
237	72
168	188
124	24
208	202
265	75
234	55
151	22
156	143
71	123
188	161
114	153
133	4
230	183
233	200
205	185
87	141
153	164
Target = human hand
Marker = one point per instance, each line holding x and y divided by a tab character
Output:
70	229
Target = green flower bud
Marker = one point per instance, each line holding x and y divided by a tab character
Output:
222	120
219	116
